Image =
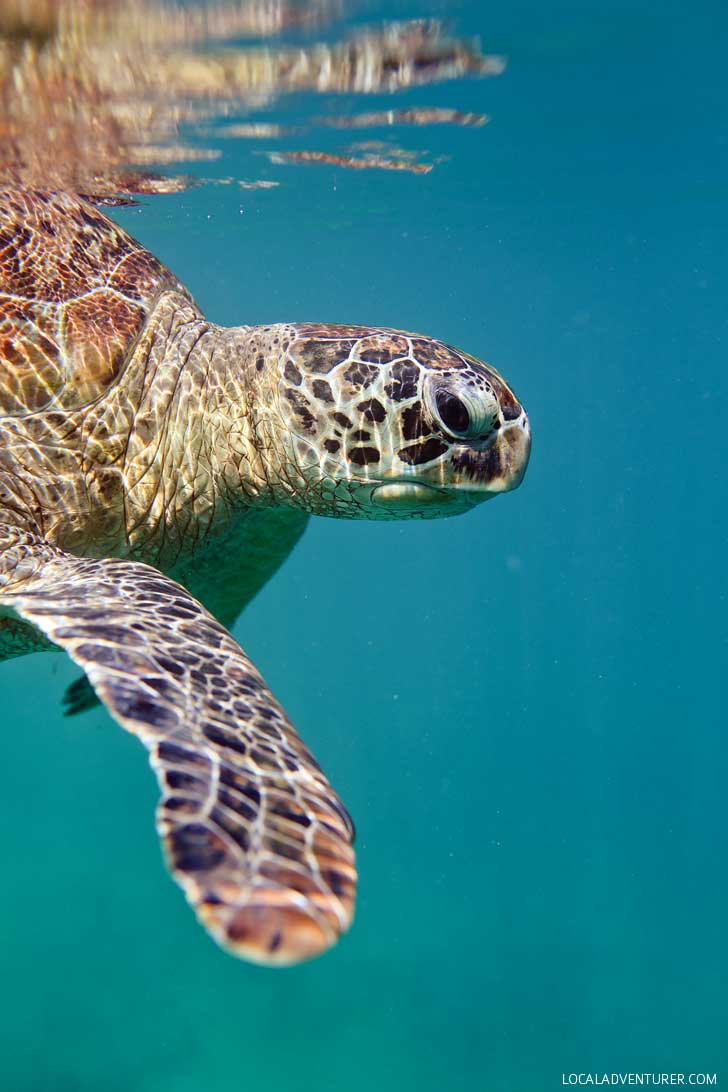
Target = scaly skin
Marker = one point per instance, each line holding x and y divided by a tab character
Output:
134	432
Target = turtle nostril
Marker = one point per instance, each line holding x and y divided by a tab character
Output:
511	409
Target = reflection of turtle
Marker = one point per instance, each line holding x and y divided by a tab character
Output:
87	89
138	440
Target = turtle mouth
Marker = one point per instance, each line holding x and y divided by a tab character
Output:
407	495
469	476
401	498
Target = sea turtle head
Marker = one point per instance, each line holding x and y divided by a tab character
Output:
380	424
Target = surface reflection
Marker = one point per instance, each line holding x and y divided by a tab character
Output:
96	98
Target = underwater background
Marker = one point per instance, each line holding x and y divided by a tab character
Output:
524	707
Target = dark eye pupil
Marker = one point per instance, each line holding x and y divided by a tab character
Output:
453	413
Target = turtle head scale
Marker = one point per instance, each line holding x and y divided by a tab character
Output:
380	424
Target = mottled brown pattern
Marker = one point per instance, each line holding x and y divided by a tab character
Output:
54	249
32	366
138	276
511	407
333	331
320	356
435	354
97	334
66	325
381	348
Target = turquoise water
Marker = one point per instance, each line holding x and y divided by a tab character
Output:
522	706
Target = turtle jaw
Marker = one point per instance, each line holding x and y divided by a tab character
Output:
401	498
464	477
404	499
497	467
467	476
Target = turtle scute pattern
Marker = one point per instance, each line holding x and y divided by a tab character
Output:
75	291
341	383
252	830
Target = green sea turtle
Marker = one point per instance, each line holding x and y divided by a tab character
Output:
152	462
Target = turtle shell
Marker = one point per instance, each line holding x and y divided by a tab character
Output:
75	292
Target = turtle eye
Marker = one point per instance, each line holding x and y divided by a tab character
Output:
467	415
453	412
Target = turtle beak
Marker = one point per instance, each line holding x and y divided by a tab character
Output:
472	474
498	467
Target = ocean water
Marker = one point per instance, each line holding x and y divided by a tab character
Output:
524	707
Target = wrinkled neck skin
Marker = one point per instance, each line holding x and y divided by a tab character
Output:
202	447
254	465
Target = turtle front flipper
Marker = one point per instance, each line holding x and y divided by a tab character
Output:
225	573
252	829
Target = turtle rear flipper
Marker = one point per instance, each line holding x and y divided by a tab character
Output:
252	829
79	697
